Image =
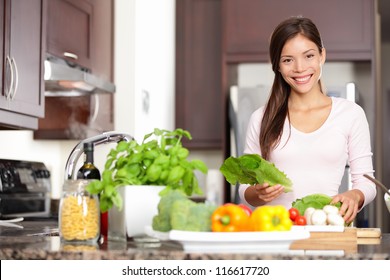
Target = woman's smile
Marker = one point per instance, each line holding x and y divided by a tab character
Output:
302	79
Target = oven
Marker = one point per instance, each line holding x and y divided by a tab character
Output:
25	189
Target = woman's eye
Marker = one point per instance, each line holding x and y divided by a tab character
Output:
310	55
287	60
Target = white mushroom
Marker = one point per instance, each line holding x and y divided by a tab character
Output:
318	217
335	219
308	212
330	209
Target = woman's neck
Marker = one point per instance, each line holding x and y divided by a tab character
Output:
307	101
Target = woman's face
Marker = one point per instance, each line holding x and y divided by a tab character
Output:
301	64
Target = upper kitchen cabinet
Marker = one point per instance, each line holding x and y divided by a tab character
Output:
80	36
69	32
347	27
199	106
22	55
81	32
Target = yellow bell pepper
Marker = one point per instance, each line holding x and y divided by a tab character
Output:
270	218
229	218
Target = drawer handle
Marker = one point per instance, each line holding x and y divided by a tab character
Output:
71	55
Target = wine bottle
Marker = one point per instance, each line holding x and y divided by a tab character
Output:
88	170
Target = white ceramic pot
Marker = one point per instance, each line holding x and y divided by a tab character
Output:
139	207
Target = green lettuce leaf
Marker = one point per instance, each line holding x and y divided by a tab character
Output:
317	201
253	169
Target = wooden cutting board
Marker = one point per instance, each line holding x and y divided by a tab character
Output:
368	233
346	240
329	240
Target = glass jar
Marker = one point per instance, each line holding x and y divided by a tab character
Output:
79	213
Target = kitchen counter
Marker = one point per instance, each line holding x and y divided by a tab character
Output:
39	240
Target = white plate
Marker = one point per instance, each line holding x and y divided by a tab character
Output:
232	242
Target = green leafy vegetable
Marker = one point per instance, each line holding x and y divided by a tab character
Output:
317	201
178	211
191	216
159	160
253	169
162	221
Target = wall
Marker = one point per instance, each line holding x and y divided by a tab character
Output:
144	65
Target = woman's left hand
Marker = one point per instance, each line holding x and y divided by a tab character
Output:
351	202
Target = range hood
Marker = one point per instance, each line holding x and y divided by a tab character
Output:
65	79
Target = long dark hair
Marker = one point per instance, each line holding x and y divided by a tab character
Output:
276	109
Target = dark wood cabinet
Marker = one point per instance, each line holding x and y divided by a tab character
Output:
22	56
85	30
2	34
69	32
199	106
346	26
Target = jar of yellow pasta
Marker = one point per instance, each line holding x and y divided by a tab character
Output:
79	213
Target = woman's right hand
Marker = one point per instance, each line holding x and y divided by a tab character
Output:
265	193
261	194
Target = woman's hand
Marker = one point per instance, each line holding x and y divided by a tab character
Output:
351	202
266	193
258	195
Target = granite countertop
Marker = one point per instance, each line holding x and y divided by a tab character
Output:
39	240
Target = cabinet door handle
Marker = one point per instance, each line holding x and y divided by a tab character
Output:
11	83
95	110
15	86
71	55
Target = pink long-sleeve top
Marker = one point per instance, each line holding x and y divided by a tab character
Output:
315	161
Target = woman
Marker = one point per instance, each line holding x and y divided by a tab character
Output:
305	133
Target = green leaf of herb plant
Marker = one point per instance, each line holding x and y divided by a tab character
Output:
159	159
200	165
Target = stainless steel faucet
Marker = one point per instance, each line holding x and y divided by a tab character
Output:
104	138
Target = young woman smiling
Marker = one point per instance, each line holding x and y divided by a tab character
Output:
305	133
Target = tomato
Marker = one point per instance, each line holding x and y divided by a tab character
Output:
300	221
294	213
